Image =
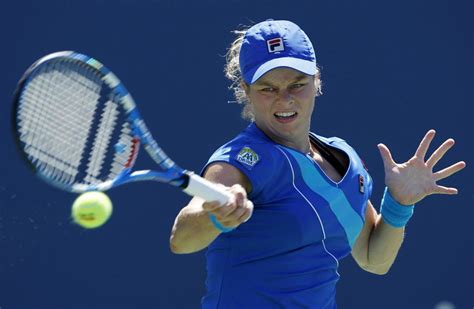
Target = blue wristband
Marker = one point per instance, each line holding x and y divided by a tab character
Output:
219	226
394	213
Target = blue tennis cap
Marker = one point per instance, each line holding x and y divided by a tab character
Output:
274	44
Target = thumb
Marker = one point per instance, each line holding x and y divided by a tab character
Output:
386	156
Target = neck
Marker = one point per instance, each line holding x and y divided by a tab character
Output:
312	149
301	143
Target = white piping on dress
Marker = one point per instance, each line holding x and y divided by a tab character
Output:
312	206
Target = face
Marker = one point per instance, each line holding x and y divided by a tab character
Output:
282	101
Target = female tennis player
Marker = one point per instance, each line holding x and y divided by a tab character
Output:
300	201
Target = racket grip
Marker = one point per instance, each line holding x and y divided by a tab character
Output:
198	186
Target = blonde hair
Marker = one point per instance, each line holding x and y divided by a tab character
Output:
233	73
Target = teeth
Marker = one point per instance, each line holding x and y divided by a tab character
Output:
287	114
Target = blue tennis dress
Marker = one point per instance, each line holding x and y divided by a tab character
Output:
286	255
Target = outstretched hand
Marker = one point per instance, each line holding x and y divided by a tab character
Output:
412	181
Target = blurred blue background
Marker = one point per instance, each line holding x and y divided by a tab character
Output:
391	71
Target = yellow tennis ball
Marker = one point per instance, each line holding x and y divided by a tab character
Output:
91	209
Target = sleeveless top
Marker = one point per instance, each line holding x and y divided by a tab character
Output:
287	255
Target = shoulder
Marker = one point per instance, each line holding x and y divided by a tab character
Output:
250	153
249	149
227	174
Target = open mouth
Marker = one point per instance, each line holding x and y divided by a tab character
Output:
285	116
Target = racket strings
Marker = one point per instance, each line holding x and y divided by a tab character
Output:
73	127
125	145
101	142
112	145
55	113
125	150
54	110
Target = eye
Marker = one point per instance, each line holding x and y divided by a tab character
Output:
296	86
268	89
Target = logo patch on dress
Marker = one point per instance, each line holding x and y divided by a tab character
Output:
361	184
248	157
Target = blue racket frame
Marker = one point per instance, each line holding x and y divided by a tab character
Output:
172	173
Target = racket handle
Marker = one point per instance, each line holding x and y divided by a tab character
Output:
198	186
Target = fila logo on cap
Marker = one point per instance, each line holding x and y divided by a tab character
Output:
275	45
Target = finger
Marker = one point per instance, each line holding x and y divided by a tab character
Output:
449	170
386	156
240	196
248	212
425	144
244	216
445	190
439	153
240	214
233	218
210	206
222	212
238	189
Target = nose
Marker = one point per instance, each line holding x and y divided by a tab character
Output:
285	97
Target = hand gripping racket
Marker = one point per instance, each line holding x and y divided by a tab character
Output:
80	130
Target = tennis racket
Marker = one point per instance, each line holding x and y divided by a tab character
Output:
79	129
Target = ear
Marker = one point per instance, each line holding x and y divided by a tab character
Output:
245	87
317	83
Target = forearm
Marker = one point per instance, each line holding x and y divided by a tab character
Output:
383	246
192	231
378	243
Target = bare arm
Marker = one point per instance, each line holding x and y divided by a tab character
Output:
193	230
378	243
